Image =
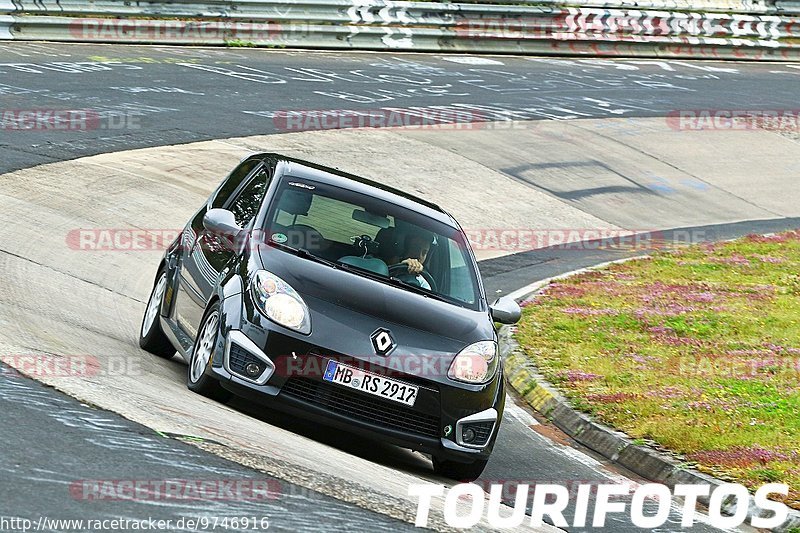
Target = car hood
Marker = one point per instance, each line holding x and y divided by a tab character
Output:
347	308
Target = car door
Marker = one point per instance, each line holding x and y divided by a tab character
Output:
208	254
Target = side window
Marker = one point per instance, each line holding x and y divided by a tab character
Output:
461	282
245	206
232	182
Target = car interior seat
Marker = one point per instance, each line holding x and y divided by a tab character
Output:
295	203
389	246
366	261
298	203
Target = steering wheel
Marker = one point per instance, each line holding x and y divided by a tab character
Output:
402	268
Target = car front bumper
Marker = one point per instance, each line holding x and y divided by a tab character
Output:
290	378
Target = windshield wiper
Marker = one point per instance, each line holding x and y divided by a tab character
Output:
417	289
357	270
305	254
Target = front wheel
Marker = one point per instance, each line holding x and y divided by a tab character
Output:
151	336
459	471
197	378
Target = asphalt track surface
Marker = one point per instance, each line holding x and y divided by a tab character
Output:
169	95
56	451
151	96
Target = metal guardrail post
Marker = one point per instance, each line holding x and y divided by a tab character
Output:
5	27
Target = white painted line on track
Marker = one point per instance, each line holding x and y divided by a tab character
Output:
677	506
471	60
519	413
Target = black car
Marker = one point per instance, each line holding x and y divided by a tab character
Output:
341	300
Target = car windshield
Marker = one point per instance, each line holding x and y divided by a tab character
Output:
373	238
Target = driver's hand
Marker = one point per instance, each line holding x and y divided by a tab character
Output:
414	265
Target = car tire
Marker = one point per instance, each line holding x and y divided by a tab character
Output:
459	471
197	376
151	336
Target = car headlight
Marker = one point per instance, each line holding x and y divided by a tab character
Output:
476	363
279	302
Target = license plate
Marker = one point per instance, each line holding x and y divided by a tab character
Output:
374	384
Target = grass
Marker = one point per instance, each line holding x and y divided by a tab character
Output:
239	43
697	350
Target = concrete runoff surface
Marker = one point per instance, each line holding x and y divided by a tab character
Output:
65	301
93	302
640	174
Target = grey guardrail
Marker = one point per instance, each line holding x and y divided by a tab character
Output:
758	30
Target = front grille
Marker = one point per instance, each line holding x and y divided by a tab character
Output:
362	407
239	358
482	432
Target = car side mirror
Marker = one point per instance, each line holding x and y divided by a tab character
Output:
221	222
505	310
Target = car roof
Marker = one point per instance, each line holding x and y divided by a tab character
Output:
332	176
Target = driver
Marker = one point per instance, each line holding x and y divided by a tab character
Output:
416	250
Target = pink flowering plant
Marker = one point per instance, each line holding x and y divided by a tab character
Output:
696	350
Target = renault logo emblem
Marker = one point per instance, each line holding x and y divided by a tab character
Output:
382	341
